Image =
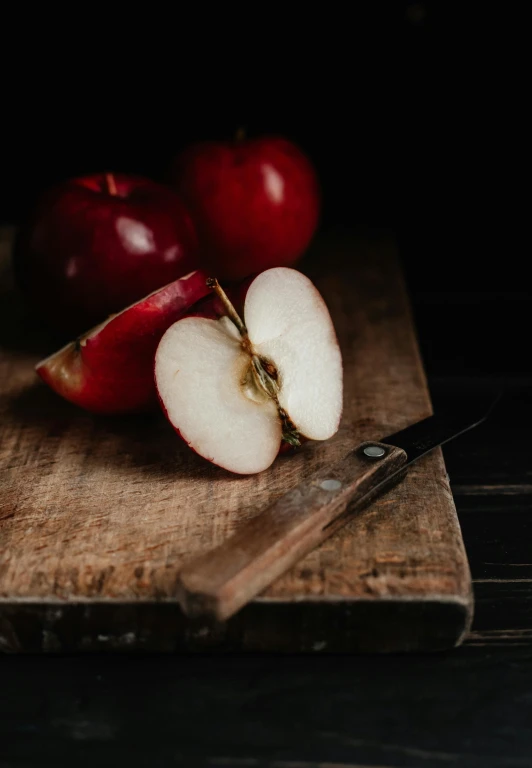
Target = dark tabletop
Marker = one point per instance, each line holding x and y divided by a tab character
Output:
468	707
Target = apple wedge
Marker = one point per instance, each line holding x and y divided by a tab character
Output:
110	368
235	390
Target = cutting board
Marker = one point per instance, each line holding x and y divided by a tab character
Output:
98	514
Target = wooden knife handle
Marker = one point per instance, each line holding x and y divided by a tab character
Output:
219	582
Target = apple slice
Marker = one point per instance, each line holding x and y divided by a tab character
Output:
234	392
110	368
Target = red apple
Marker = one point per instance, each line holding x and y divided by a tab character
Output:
255	203
110	368
97	244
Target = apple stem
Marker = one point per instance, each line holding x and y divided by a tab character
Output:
240	135
233	315
111	184
264	372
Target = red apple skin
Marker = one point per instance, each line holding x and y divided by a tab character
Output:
110	369
90	249
255	203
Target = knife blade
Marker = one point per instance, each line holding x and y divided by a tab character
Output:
217	583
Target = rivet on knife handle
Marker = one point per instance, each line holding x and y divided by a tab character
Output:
218	583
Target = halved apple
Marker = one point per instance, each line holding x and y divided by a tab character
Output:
236	389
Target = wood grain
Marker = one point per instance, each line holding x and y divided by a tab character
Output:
220	581
270	711
98	515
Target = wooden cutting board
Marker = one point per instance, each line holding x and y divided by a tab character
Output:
98	514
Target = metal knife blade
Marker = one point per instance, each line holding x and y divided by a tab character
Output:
218	583
459	415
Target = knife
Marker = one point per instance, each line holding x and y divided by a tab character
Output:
217	583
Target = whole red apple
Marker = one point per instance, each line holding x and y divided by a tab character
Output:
96	244
255	203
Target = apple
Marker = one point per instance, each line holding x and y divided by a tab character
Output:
236	389
110	368
255	203
96	244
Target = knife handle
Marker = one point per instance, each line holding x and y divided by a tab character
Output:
219	582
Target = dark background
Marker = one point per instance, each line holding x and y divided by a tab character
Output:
410	112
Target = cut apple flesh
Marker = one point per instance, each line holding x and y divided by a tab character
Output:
233	396
201	372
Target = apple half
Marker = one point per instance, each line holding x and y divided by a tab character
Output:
235	390
109	370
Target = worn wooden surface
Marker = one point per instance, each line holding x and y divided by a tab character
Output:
468	708
101	513
218	582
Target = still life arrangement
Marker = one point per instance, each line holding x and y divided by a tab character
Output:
220	426
193	298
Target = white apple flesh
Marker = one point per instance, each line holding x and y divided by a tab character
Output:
234	394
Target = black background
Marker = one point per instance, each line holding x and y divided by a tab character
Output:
409	111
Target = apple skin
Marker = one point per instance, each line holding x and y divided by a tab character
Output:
255	203
109	370
89	249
